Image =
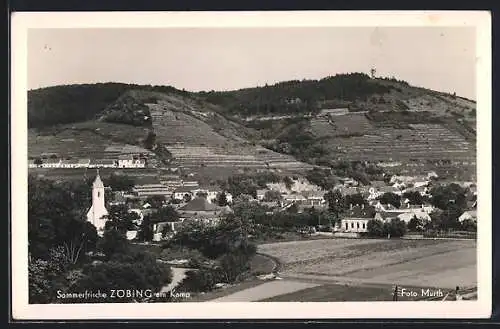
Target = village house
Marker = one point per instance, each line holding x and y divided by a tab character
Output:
468	215
376	191
183	192
211	192
164	230
261	194
314	198
131	161
199	209
356	219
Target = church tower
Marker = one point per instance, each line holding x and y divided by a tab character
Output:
98	209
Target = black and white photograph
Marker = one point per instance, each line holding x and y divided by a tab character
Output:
314	162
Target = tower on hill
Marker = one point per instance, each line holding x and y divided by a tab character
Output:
97	212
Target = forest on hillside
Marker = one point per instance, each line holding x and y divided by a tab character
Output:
75	103
297	96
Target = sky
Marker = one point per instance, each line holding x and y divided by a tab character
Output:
195	59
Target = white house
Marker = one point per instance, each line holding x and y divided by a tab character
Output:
73	163
130	161
469	214
103	163
356	219
182	191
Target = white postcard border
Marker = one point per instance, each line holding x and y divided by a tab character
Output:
21	22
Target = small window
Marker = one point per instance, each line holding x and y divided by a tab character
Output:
98	194
357	224
352	225
364	225
346	226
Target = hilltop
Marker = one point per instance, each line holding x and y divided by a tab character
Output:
348	117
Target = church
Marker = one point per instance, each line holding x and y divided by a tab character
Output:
98	212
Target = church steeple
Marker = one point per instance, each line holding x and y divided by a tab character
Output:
97	212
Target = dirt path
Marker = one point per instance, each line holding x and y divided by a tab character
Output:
266	290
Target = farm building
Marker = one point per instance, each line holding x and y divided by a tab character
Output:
357	218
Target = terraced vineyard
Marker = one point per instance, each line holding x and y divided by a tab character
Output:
172	127
233	157
421	141
194	143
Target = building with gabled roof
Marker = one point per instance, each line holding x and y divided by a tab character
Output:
356	219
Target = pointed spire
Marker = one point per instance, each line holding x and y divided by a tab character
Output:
98	182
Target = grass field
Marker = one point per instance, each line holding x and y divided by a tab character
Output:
421	263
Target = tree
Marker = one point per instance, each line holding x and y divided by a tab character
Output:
113	241
449	197
146	229
150	140
375	228
45	277
156	201
187	197
293	209
416	224
222	199
135	270
414	197
201	194
469	225
288	182
336	203
395	228
165	214
119	182
390	198
273	195
355	199
445	220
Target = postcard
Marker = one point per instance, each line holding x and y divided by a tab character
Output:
251	165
